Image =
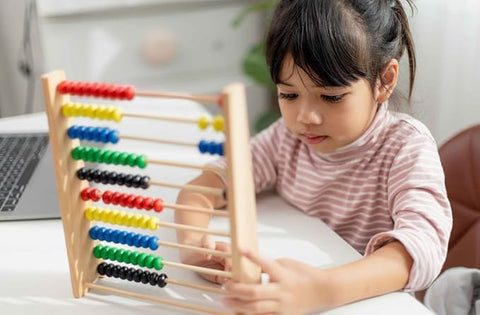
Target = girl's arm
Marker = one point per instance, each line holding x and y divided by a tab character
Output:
297	288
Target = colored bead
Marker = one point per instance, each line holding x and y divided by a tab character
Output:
112	178
96	175
113	136
122	273
95	194
152	279
76	153
122	237
158	263
144	182
141	259
128	180
143	222
202	146
122	158
97	250
220	149
131	159
152	223
141	161
158	205
117	115
149	261
136	275
129	238
108	270
131	201
112	252
138	202
104	177
101	268
136	181
101	233
218	123
115	236
134	258
120	179
137	240
93	232
85	194
119	255
81	173
114	157
144	277
107	197
148	203
129	275
126	256
116	198
203	122
153	243
115	270
162	280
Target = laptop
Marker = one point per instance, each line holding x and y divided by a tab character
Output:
27	178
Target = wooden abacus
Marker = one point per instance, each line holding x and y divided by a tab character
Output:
85	253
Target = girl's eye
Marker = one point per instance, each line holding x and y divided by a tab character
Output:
288	96
333	98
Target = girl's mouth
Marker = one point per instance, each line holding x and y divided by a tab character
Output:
311	139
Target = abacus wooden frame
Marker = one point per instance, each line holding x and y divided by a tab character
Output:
241	196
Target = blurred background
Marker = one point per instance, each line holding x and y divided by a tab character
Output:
198	46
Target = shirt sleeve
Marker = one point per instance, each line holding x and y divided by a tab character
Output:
264	149
420	209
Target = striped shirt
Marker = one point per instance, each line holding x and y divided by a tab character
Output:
386	185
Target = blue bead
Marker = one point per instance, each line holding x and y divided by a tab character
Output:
101	233
96	134
93	232
144	241
208	147
136	240
81	132
104	135
129	238
115	235
108	235
113	136
152	242
220	148
122	237
72	132
89	133
202	146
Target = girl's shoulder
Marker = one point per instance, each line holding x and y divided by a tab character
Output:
405	127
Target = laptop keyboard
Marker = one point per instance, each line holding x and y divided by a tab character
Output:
19	155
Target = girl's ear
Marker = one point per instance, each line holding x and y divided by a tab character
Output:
387	81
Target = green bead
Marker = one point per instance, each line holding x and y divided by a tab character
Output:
126	256
106	156
84	153
141	161
149	261
131	159
76	153
97	251
119	255
134	258
141	259
112	253
91	154
122	158
114	157
104	252
98	155
158	263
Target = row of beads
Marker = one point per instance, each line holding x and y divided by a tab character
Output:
96	89
211	147
98	134
96	155
124	218
123	199
218	123
132	274
113	178
128	256
123	237
93	111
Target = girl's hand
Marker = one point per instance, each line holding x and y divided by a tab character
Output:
294	288
208	260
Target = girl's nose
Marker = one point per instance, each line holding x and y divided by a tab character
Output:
308	115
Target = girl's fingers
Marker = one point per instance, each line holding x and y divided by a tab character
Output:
268	265
252	292
257	307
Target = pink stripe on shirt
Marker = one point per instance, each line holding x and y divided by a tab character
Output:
388	184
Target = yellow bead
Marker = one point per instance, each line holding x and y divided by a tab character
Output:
101	112
127	220
66	110
90	111
119	218
117	115
203	122
218	123
153	223
143	222
93	111
104	215
111	216
84	110
97	214
75	109
136	220
89	214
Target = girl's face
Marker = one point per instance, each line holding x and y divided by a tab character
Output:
324	118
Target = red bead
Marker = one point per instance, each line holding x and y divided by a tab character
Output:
129	92
123	199
85	194
138	203
95	194
110	91
68	87
158	205
116	197
131	201
148	203
95	89
76	87
102	90
107	197
87	89
61	87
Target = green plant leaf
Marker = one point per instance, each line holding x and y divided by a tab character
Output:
255	66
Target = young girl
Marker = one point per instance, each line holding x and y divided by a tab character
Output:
341	154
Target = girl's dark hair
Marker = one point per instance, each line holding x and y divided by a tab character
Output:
337	42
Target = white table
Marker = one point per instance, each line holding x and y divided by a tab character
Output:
34	276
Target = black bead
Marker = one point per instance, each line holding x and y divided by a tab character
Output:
136	275
121	179
108	270
81	173
96	176
144	277
153	278
144	182
112	178
89	174
161	280
136	181
128	180
122	272
104	177
101	268
130	272
115	271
